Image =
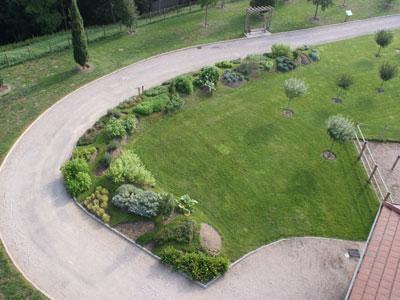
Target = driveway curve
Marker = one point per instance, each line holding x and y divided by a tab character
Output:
68	255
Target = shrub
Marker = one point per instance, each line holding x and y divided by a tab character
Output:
114	113
247	67
284	64
85	153
184	85
383	38
167	204
152	104
144	109
115	128
106	159
129	168
197	265
314	55
267	65
279	50
340	129
224	64
186	204
97	203
130	124
127	104
112	145
174	104
230	76
137	201
156	91
76	176
208	78
88	137
180	231
344	81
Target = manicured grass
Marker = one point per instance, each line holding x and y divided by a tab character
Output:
12	284
260	177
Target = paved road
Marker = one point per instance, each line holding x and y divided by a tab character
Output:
67	254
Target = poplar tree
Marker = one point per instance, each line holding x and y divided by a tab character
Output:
79	41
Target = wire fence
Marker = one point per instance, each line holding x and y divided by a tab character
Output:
13	54
374	174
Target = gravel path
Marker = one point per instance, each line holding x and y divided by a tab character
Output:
67	254
385	155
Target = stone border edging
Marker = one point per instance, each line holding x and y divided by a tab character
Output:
136	244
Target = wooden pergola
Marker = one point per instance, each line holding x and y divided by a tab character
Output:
265	11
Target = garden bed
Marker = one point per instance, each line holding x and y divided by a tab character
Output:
111	171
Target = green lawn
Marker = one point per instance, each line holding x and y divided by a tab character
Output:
39	83
260	177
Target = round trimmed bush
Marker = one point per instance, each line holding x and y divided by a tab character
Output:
184	85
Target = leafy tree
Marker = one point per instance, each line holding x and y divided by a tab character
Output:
79	41
294	88
129	15
324	4
339	129
387	72
383	38
206	4
344	82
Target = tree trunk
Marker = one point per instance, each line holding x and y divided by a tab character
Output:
288	104
331	148
379	51
381	88
316	12
205	17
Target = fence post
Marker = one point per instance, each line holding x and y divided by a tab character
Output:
69	42
386	197
29	51
142	89
138	91
395	163
50	50
372	173
362	150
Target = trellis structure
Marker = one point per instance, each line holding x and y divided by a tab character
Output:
265	11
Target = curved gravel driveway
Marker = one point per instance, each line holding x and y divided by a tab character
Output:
67	254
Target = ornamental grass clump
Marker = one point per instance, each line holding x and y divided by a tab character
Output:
115	128
85	153
128	168
97	203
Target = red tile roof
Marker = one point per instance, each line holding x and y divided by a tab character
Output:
378	276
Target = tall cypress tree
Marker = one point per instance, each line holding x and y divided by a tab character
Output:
79	41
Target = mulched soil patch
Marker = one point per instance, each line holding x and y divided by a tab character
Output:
100	170
328	155
336	100
4	89
305	60
287	113
136	229
86	70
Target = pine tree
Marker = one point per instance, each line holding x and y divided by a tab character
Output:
79	41
129	15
